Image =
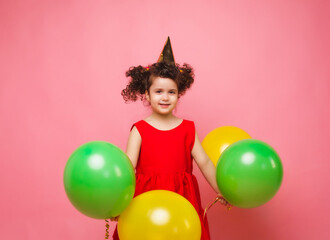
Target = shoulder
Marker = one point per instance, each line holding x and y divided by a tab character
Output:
137	125
189	123
135	133
189	127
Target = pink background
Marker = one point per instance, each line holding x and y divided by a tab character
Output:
260	65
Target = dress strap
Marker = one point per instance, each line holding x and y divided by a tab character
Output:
139	126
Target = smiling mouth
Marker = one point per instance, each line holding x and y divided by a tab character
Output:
164	105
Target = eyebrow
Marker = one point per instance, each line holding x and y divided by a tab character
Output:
173	89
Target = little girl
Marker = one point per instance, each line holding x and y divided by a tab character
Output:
161	147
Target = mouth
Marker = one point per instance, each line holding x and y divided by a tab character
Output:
164	105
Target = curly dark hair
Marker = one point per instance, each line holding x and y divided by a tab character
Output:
141	78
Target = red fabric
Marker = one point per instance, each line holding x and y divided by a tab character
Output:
165	162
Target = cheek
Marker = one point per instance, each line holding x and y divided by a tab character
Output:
154	98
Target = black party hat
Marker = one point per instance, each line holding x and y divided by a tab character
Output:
167	54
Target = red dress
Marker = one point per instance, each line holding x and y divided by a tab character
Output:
165	162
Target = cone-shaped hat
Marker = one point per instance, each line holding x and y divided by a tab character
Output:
167	54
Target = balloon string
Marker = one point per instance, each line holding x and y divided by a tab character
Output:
217	199
106	229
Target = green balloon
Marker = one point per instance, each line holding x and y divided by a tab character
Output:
99	180
249	173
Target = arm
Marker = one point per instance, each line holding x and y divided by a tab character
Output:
132	151
205	164
133	146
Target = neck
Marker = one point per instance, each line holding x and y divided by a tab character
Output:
161	117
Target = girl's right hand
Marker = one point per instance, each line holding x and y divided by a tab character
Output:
114	219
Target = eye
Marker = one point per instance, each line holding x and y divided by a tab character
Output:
172	92
158	91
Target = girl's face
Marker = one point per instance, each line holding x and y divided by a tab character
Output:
163	95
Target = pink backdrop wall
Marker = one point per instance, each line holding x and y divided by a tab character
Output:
260	65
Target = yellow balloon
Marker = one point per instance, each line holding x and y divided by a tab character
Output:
220	138
159	215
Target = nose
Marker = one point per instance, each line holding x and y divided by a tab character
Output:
165	96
